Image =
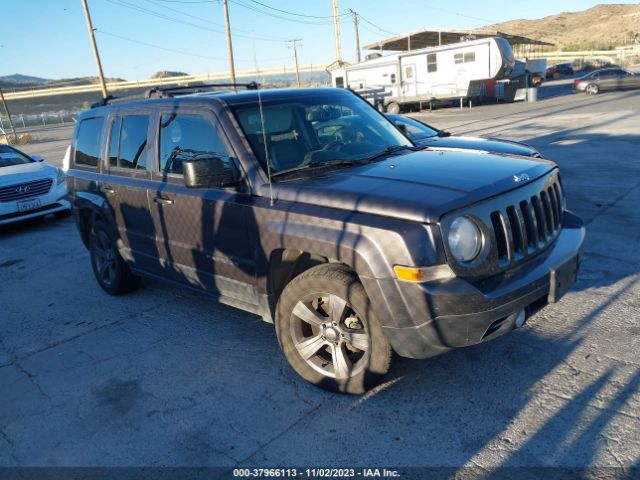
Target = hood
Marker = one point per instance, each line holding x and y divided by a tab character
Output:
420	186
26	172
473	143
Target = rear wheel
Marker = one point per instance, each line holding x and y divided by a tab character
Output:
592	89
393	108
111	271
329	333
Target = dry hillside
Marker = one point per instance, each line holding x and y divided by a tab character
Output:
600	27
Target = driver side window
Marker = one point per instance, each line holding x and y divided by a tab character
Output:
187	136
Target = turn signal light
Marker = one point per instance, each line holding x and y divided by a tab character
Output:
423	274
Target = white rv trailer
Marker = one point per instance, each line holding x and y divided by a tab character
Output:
435	73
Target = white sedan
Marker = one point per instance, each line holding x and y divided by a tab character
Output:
29	187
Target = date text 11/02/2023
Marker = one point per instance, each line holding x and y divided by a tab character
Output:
315	472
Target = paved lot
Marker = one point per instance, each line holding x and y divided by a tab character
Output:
165	377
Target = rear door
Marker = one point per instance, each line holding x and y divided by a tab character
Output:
201	234
126	186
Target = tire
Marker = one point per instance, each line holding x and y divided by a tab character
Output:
329	333
111	271
393	108
592	89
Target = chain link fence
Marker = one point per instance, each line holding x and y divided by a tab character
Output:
23	120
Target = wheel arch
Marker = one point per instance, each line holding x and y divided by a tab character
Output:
91	208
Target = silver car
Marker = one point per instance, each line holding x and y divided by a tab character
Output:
606	79
29	187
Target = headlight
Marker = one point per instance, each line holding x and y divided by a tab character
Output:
60	178
465	239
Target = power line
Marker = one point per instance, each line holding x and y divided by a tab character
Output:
263	12
146	11
296	14
185	1
376	26
260	37
172	50
181	52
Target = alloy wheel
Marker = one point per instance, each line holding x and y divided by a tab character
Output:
330	336
104	258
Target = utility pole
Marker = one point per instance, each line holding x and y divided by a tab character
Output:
96	56
6	109
232	68
336	31
355	24
295	56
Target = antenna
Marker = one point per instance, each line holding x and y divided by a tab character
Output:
266	150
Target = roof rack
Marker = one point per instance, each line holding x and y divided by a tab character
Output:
165	92
168	92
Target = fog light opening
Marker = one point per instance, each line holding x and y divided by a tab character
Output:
520	318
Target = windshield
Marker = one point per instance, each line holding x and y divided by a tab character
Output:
415	129
315	128
10	157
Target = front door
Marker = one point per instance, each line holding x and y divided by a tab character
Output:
201	234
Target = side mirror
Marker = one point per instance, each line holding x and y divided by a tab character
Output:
38	158
403	128
442	133
209	172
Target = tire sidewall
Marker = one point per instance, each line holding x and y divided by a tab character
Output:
337	281
393	108
112	289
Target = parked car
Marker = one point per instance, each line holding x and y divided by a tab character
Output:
556	71
29	187
355	243
427	136
605	79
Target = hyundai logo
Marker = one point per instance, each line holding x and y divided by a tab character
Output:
22	189
523	177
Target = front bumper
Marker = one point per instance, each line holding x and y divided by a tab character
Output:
431	318
55	200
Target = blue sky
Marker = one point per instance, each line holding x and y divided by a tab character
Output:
136	38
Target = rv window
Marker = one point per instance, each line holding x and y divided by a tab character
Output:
464	58
432	62
408	72
339	82
393	78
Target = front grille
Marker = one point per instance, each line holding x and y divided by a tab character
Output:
527	226
25	190
516	225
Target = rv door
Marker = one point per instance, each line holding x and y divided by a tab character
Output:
409	81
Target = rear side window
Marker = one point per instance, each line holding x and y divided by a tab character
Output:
88	141
128	142
183	137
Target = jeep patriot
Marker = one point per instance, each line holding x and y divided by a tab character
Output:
311	209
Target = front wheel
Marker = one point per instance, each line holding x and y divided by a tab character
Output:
592	89
111	271
329	333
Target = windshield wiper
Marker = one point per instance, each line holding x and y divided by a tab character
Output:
389	150
318	164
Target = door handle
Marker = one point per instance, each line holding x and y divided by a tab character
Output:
163	200
108	189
